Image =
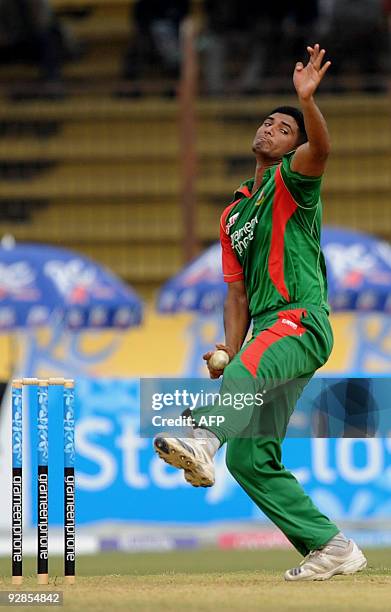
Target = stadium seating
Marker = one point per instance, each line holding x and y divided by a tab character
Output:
102	174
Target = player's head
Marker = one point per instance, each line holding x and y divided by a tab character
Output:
281	131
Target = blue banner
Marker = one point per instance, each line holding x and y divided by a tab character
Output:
41	284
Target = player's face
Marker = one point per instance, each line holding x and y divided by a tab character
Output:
277	135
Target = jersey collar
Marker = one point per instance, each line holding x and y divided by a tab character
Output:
246	187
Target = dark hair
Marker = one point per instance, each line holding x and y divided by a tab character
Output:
297	115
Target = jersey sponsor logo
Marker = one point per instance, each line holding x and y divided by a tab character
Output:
231	222
242	237
290	323
261	198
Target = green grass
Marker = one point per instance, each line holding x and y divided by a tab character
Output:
204	580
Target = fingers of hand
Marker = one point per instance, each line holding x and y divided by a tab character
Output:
316	56
319	59
215	373
324	69
311	52
315	53
212	372
227	349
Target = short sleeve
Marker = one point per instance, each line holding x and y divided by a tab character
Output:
232	269
305	190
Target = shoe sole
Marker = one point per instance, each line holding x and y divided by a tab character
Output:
173	453
345	569
348	567
354	566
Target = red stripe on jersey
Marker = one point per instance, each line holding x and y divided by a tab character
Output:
284	207
288	324
232	269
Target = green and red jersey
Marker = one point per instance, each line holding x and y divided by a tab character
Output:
271	239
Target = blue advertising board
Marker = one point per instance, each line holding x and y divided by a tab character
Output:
119	477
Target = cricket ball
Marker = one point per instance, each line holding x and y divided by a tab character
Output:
219	360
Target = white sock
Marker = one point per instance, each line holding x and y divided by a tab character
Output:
210	440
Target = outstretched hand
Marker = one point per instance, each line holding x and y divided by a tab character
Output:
306	79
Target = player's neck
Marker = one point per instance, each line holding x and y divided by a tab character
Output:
260	169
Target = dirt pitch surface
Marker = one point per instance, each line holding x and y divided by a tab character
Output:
206	580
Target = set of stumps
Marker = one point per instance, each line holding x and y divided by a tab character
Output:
42	424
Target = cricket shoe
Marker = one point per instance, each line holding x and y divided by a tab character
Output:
190	455
328	561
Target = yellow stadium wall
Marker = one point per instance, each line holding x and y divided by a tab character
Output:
165	345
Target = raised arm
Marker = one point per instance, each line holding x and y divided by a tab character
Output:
310	158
